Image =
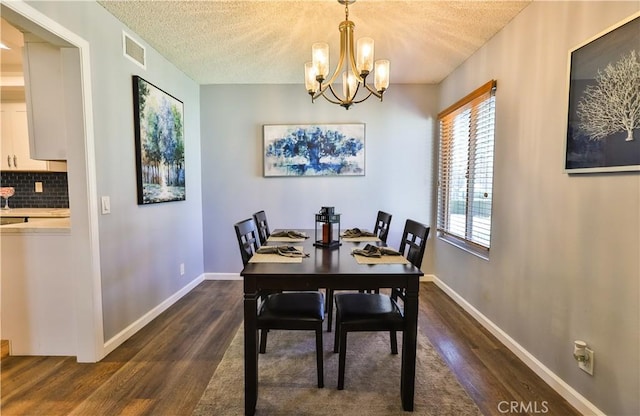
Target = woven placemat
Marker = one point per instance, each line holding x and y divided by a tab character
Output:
361	239
380	260
273	239
275	258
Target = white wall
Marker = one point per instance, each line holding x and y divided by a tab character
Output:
399	163
564	251
141	247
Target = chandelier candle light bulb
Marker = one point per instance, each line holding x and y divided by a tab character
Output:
365	54
355	64
320	55
381	79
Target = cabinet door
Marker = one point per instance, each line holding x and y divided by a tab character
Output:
15	136
6	146
45	96
21	144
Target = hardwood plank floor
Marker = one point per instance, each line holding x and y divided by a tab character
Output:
164	368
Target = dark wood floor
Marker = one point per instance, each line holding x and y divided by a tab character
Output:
165	367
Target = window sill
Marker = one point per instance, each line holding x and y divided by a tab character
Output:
469	248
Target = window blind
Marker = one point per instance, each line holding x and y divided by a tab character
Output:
465	183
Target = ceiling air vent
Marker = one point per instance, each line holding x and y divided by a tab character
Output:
133	50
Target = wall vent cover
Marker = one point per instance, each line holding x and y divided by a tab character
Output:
133	50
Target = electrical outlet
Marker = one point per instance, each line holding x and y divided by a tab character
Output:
587	366
181	269
38	187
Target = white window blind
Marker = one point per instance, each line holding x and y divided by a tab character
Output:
466	169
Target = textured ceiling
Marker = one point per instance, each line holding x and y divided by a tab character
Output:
268	42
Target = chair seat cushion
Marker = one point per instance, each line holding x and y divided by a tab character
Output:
357	307
298	306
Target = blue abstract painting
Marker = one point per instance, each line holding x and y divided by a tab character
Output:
314	150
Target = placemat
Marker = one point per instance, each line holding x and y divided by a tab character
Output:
361	239
275	258
273	239
380	260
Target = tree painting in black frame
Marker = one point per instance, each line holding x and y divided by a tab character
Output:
159	134
603	132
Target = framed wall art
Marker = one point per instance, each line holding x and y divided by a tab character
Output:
603	129
159	138
314	150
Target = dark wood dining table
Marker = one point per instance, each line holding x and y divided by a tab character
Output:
334	268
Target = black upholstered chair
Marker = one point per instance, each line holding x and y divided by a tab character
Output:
377	311
303	311
383	222
260	218
381	230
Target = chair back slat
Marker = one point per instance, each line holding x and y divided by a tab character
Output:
248	240
412	246
414	242
260	219
381	228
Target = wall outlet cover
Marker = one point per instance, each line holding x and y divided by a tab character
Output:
587	366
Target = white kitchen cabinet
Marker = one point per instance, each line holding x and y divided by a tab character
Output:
45	94
15	142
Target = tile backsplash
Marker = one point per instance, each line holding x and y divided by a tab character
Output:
55	189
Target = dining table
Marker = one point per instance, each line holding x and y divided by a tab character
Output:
335	268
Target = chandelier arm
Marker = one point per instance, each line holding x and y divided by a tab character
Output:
321	93
330	100
365	98
344	28
346	102
340	101
352	59
373	91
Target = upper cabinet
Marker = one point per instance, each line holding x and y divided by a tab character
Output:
46	102
15	142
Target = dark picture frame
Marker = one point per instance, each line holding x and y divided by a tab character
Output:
314	149
159	141
603	134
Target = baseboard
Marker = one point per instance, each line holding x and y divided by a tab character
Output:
427	278
126	333
578	401
222	276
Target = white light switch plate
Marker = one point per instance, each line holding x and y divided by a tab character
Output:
106	205
38	187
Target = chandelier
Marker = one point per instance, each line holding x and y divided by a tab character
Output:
355	67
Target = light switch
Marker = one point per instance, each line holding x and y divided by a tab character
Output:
38	187
106	205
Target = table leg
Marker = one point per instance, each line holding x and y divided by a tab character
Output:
250	353
409	343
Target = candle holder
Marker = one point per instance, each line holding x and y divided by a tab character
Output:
327	228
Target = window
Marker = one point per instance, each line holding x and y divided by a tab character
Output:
465	185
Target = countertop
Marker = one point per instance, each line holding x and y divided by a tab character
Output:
41	220
36	212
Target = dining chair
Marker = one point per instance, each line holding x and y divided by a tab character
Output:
381	230
303	311
383	222
260	219
377	311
